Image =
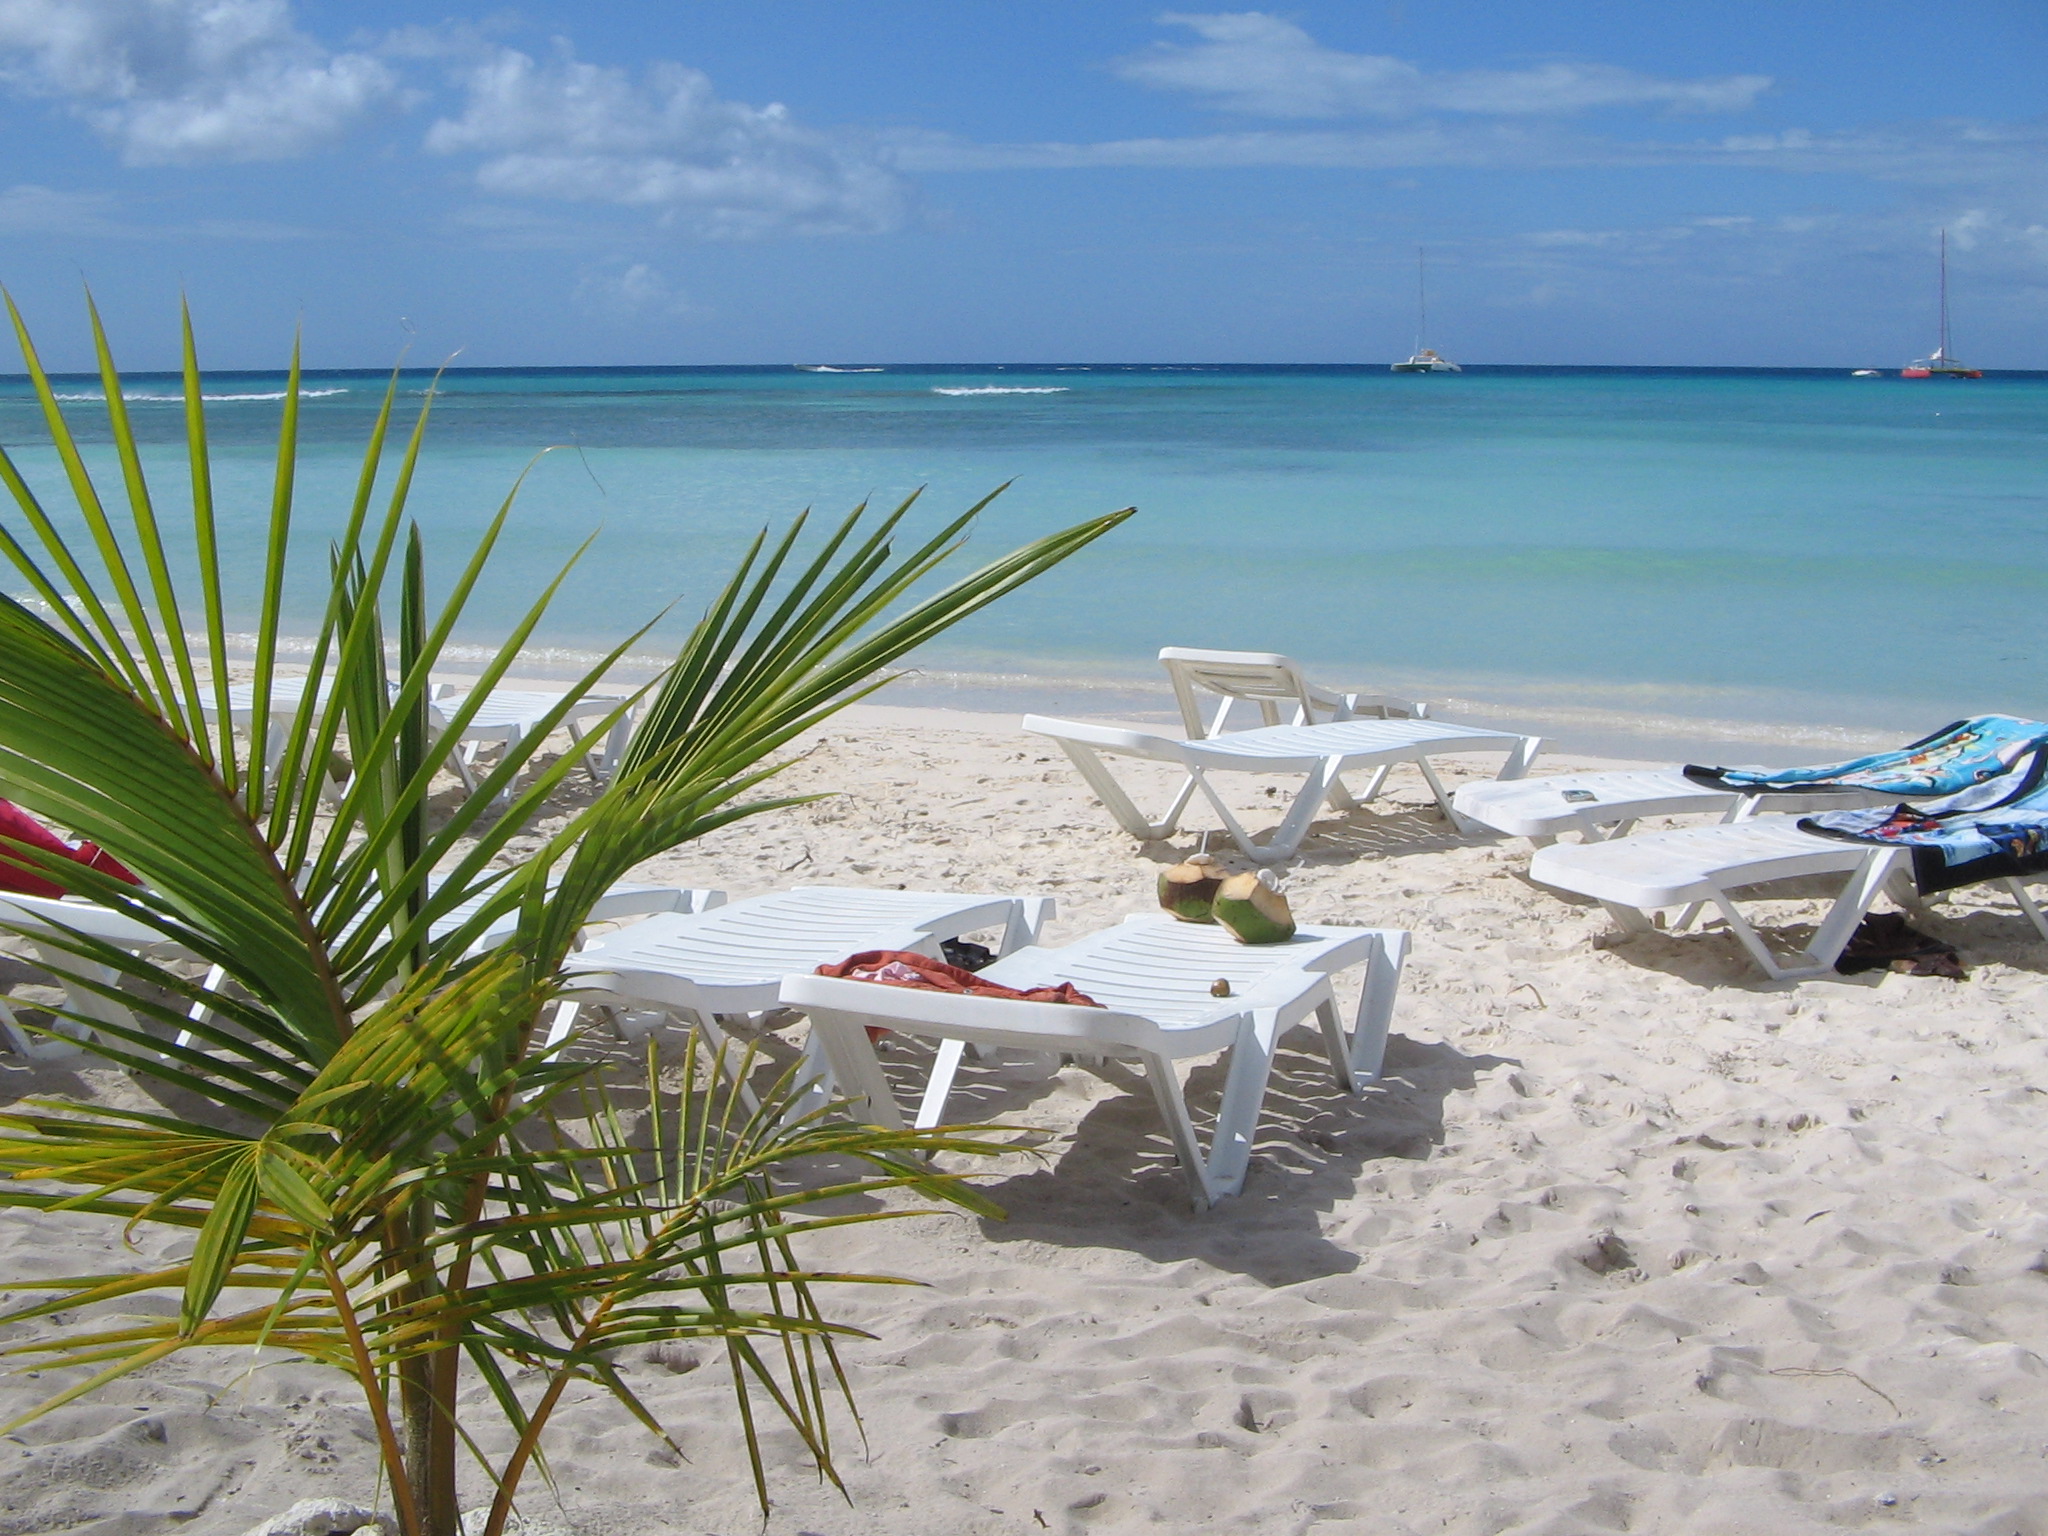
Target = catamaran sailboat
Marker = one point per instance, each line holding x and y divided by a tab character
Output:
1425	359
1941	365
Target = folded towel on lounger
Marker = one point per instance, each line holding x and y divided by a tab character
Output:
1993	831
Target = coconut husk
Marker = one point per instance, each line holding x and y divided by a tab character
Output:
1252	911
1187	890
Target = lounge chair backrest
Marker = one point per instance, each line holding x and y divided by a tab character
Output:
1272	682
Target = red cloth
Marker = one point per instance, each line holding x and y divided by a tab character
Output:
15	875
924	974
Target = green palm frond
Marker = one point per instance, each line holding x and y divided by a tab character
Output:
393	1177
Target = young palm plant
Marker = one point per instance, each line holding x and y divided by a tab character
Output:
384	1170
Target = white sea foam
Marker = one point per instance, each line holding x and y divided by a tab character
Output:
179	399
1005	389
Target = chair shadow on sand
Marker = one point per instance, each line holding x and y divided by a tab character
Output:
1364	833
1116	1183
1708	955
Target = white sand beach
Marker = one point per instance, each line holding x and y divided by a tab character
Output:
1628	1238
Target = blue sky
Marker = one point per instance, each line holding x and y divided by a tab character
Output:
656	181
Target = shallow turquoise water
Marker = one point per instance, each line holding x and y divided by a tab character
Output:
1792	546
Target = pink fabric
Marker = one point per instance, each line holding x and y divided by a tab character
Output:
20	827
905	968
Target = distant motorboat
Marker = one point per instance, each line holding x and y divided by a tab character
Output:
1867	373
1941	365
1425	359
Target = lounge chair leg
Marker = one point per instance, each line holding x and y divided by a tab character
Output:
1376	1008
932	1107
1335	1046
563	1021
1118	804
815	1084
1628	919
27	1045
858	1072
576	743
1237	1117
727	1056
2027	905
1857	898
199	1013
615	742
1270	853
1752	941
1166	1093
1028	918
1463	827
1902	891
1375	784
512	741
1521	758
1293	830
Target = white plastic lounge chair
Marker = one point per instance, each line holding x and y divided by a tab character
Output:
1633	877
30	913
1272	682
1322	752
27	912
508	715
730	959
1153	977
1605	805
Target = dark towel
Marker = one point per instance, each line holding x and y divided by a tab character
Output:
1884	941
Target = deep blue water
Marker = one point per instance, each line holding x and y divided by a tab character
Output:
1751	544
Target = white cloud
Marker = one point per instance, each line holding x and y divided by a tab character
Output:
30	210
1261	66
27	209
574	132
1422	145
177	81
632	292
1952	153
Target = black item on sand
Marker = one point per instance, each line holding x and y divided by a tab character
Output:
1884	941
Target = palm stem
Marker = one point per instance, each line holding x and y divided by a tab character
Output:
373	1396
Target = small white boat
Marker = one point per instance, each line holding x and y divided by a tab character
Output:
1867	373
1425	359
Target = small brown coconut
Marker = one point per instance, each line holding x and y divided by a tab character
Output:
1186	890
1253	911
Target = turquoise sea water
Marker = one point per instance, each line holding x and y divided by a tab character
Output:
1563	545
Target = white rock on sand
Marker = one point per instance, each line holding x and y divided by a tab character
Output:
1628	1240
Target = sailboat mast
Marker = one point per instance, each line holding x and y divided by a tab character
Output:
1944	293
1421	302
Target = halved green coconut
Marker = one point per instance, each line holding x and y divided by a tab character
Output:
1186	890
1253	911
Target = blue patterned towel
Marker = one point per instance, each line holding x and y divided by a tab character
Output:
1988	832
1970	752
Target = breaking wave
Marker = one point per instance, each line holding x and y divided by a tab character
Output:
1005	389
